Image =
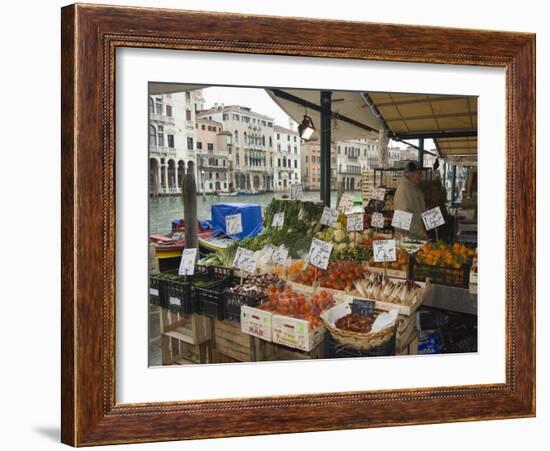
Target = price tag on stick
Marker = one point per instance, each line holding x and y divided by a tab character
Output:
245	260
278	219
280	255
379	194
363	307
329	217
377	220
346	203
319	253
433	218
187	262
402	219
233	224
296	191
384	251
355	222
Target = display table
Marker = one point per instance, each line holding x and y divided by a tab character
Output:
451	298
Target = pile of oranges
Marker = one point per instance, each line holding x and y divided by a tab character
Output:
401	263
444	254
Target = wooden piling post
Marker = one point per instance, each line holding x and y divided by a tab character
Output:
189	192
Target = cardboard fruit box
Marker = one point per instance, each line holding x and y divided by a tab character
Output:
256	322
295	333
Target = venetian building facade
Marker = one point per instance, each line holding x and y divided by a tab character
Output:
252	145
172	138
287	158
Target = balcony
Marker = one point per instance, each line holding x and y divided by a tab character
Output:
161	118
162	150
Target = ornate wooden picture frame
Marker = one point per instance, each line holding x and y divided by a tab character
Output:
90	37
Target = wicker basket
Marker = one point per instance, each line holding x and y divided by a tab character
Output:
363	342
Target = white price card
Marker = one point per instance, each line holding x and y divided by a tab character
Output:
280	255
377	220
174	301
268	251
187	262
433	218
245	260
296	191
233	224
355	222
278	219
402	219
379	194
319	253
384	250
346	202
329	217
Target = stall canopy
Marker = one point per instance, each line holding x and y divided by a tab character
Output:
450	120
172	88
351	117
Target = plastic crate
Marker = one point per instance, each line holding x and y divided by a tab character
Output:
437	274
155	289
232	303
219	272
334	350
209	299
178	295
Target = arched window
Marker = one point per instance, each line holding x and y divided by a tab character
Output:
236	137
263	140
152	136
237	159
151	106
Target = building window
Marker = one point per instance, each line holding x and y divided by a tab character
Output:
152	136
169	110
199	145
270	141
278	162
225	116
263	140
188	96
295	149
188	115
278	136
306	159
170	141
235	117
203	127
190	143
237	159
160	134
210	146
151	106
288	148
295	164
270	124
158	103
236	137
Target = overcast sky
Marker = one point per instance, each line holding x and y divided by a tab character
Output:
258	100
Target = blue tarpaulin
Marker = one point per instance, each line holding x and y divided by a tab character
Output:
251	219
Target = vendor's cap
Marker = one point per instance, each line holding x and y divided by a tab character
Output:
411	166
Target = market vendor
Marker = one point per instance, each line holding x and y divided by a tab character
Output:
409	197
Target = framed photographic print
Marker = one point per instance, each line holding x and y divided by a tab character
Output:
278	225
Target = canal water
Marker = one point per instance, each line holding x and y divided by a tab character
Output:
162	210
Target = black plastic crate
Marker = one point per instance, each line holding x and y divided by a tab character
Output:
334	350
209	299
155	294
232	303
459	277
219	272
178	295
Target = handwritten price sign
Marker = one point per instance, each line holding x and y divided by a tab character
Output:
187	262
329	217
296	191
355	223
402	219
245	260
384	251
280	255
346	203
379	194
278	219
319	253
377	220
233	224
433	218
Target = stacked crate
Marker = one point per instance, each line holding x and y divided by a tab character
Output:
367	184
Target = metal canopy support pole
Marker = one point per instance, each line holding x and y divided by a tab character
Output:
453	186
326	114
421	152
